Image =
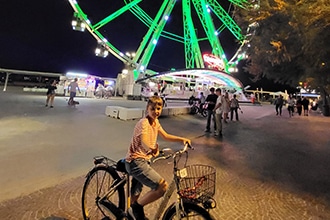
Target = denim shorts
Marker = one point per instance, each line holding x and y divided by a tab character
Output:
72	94
143	174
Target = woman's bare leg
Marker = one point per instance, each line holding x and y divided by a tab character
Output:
47	101
153	195
52	100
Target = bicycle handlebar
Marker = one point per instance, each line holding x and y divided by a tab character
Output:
175	154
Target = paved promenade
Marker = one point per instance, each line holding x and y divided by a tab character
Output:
268	167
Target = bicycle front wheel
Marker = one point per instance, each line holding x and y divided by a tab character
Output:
191	211
204	113
99	182
193	110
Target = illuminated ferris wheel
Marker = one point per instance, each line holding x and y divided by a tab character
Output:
198	29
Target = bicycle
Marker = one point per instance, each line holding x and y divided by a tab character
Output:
194	186
197	108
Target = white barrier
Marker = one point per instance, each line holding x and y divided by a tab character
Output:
112	111
130	113
136	113
178	110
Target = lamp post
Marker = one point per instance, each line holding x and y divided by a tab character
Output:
77	23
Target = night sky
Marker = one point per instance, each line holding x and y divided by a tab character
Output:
37	36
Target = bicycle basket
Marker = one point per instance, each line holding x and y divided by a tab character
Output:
197	182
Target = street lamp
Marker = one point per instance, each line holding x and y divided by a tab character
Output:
77	23
130	54
101	51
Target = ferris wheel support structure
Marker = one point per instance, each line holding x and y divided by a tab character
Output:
206	11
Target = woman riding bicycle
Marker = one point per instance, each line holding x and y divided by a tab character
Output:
142	148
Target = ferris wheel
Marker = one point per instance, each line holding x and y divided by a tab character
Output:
195	24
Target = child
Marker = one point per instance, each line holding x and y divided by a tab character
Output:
142	148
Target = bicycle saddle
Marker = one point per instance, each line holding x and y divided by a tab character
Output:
121	166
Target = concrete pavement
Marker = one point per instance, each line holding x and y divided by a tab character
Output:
268	167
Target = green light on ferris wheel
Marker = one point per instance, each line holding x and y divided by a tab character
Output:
206	10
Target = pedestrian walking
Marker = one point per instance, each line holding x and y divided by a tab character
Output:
218	112
72	88
51	94
305	103
211	99
234	106
279	104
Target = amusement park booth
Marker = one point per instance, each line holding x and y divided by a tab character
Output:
182	84
85	82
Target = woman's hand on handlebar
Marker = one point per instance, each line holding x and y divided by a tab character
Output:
155	152
186	141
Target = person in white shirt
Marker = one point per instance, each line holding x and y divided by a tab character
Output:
218	112
72	88
201	100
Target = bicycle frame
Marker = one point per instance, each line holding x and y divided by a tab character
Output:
165	199
125	179
168	194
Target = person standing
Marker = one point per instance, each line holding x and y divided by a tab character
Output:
218	112
202	99
279	105
234	105
142	148
99	92
291	103
226	107
72	88
51	94
299	106
211	99
305	103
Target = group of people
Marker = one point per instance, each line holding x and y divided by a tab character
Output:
103	92
218	108
300	104
72	88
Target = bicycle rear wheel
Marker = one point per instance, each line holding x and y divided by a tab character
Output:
191	212
99	181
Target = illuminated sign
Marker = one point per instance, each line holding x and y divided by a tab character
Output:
214	62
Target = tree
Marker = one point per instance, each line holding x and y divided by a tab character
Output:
291	42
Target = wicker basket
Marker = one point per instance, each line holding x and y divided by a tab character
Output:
197	182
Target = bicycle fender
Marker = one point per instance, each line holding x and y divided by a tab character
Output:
112	170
